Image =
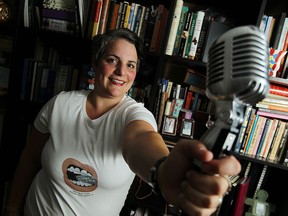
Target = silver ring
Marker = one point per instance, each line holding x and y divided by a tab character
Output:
229	185
220	200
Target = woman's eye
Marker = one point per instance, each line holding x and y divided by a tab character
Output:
132	66
112	60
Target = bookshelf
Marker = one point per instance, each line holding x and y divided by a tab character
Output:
33	43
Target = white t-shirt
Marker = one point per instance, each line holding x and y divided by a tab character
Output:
83	171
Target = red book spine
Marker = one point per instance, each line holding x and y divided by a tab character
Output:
278	90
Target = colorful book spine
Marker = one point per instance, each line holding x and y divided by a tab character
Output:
242	129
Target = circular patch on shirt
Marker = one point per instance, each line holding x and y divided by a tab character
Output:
79	176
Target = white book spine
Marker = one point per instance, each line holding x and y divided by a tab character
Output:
174	27
283	35
196	34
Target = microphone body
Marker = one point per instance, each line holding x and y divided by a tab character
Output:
237	75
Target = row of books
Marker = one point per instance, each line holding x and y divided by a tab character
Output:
180	101
263	133
193	30
276	31
61	16
40	81
147	21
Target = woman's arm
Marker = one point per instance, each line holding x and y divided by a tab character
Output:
29	164
180	182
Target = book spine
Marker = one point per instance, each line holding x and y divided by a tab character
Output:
114	16
202	37
259	136
278	90
127	14
196	34
174	27
156	30
149	28
251	135
121	5
279	27
190	34
185	34
123	14
104	16
97	18
270	138
247	131
242	129
179	30
263	137
276	141
282	146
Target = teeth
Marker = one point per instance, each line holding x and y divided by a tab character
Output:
117	81
83	178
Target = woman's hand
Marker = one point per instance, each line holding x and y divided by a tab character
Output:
195	191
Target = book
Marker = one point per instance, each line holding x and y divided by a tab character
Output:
278	107
183	15
281	148
97	17
269	27
185	34
263	137
248	130
127	15
156	30
190	34
188	100
140	26
263	22
196	34
150	26
119	15
275	101
276	142
113	15
256	136
269	138
251	134
131	15
273	115
173	27
202	37
278	29
195	78
123	13
280	45
64	26
140	11
278	90
104	16
242	129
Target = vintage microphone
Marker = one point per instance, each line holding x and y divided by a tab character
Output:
237	76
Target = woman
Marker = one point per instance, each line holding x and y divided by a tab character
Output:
86	147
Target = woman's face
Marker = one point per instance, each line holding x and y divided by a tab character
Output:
117	69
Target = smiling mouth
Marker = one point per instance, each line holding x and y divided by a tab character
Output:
80	177
115	81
